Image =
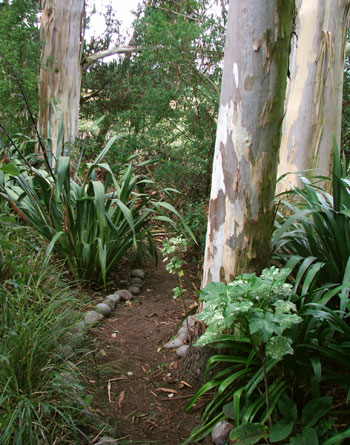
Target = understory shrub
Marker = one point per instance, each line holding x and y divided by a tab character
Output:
89	217
312	231
41	396
281	371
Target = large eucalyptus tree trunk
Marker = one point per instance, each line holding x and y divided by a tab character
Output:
61	33
314	94
241	208
61	70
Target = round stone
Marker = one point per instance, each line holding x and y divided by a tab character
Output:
116	298
220	433
136	282
183	333
134	290
138	273
113	297
110	301
92	317
124	294
182	350
103	309
175	343
189	322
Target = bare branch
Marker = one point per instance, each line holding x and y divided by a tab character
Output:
89	60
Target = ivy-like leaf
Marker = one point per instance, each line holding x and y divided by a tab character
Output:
279	346
264	325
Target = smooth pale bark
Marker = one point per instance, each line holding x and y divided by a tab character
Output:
314	95
61	71
241	207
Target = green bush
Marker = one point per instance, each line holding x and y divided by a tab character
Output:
277	369
314	238
89	222
41	398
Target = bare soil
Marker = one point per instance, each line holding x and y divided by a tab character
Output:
142	389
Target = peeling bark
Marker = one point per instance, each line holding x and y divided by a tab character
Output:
241	207
314	95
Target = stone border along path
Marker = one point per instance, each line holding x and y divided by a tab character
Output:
105	309
221	431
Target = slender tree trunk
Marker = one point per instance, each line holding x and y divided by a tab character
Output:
61	71
314	95
241	208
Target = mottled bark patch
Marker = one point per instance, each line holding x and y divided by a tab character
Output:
248	83
218	211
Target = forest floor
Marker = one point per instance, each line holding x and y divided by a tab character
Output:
142	388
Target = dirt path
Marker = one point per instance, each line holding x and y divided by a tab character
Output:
140	380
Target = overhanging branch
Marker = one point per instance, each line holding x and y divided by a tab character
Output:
89	60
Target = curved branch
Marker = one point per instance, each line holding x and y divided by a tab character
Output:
89	60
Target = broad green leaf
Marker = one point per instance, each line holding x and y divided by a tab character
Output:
288	408
228	410
249	433
10	169
310	436
99	200
106	149
281	430
315	409
50	248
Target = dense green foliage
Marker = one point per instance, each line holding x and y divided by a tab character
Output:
164	98
281	366
41	397
276	367
314	238
89	223
19	47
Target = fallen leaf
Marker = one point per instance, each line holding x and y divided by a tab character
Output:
182	383
103	352
121	398
172	391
